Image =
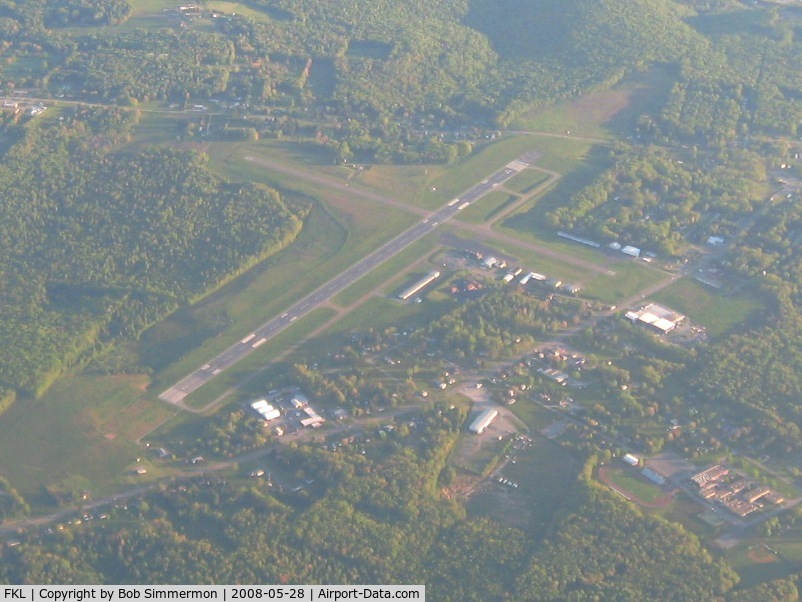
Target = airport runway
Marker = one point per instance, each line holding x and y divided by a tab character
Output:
315	299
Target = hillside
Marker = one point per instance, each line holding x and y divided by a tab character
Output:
98	243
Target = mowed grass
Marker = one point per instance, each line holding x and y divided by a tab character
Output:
526	181
157	128
238	8
630	277
632	482
448	183
488	206
717	311
345	230
534	415
426	186
399	181
390	276
148	14
83	429
755	564
260	358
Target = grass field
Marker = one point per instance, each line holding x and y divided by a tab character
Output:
607	113
257	360
756	563
545	472
630	277
526	181
399	181
82	430
535	416
388	277
579	163
638	486
477	454
448	183
485	208
704	305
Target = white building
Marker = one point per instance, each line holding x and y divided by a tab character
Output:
419	285
265	410
631	460
483	421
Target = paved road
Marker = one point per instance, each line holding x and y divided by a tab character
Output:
315	299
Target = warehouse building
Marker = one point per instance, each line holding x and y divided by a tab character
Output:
656	317
483	421
419	285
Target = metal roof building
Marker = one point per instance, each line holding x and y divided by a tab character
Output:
483	421
419	285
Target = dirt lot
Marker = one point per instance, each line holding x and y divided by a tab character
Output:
669	464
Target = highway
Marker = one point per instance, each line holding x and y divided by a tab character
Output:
315	299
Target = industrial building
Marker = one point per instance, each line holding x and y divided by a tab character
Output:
265	410
483	421
656	317
419	285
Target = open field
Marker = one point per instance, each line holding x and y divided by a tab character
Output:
578	170
81	430
240	8
630	277
755	560
399	181
388	278
527	181
545	473
628	480
717	311
483	210
454	180
156	128
275	347
148	14
607	113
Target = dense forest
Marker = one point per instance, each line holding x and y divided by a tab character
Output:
387	65
98	242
